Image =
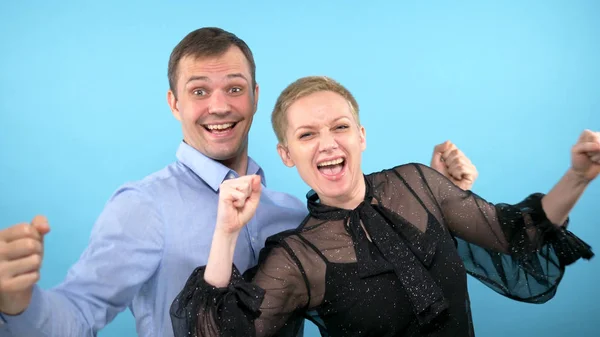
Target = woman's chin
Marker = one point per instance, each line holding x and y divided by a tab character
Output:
333	192
340	193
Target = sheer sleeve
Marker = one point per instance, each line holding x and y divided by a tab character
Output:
266	301
512	248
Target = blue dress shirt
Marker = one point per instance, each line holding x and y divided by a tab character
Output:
148	239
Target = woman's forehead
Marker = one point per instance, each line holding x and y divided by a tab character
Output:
319	107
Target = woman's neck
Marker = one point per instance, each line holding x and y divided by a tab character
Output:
351	200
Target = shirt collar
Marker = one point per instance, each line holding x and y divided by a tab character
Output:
211	171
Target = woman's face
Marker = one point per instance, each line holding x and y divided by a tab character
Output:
325	143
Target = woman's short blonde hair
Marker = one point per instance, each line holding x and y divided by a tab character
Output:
302	88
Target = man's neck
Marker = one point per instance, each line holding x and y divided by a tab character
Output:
239	164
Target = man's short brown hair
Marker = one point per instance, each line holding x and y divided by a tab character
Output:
302	88
207	42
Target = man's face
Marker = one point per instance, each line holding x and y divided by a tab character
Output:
215	103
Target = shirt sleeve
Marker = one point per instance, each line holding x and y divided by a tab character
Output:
124	250
265	301
512	248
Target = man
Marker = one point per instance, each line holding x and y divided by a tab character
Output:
154	232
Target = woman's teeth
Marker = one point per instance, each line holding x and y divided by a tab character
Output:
331	162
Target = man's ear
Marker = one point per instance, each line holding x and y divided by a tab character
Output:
285	155
256	92
172	100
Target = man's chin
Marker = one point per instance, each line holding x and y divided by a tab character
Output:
227	154
226	151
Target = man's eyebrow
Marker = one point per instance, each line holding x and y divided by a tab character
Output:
237	75
206	79
198	78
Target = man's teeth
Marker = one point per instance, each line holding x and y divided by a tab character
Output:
219	126
331	162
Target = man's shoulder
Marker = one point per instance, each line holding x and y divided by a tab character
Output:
283	199
158	183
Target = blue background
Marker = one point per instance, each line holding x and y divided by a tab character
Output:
513	83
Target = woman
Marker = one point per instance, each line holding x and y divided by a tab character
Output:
384	254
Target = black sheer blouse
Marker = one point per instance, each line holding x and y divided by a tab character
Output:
394	266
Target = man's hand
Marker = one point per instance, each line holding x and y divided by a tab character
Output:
21	254
238	200
454	165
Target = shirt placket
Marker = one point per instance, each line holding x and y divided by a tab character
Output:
252	232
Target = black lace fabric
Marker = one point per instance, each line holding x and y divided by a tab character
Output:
394	266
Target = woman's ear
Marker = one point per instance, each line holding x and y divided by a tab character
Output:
363	138
285	155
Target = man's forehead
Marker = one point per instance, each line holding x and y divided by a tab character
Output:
228	63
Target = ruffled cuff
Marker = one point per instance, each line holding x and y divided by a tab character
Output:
567	247
201	309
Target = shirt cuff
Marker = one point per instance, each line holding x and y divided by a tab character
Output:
30	316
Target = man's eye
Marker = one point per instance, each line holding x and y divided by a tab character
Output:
199	92
341	127
304	135
235	89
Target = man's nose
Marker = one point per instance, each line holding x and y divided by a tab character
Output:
218	103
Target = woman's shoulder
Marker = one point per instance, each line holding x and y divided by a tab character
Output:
282	239
404	170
